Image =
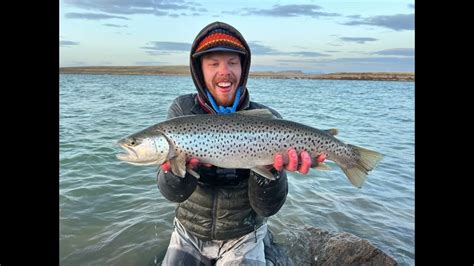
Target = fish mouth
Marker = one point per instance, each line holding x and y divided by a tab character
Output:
132	157
130	154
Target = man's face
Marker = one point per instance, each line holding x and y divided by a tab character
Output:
222	72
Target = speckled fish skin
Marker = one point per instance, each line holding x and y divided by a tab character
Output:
241	141
249	141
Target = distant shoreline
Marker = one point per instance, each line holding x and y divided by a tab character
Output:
184	71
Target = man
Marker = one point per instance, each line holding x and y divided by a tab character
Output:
221	218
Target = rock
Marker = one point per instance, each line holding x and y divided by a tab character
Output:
275	253
344	249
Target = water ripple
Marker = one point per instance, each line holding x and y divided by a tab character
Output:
113	213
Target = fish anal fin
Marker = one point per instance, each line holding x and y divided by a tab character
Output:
322	167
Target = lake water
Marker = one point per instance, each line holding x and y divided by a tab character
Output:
112	213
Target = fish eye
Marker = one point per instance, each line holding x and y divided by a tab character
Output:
133	142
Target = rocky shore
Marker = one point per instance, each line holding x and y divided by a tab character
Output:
184	70
323	248
345	249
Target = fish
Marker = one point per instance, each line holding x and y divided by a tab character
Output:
247	139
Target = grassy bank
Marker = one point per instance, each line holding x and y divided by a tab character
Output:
184	70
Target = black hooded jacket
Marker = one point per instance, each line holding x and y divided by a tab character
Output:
224	203
195	64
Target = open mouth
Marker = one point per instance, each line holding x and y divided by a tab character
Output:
224	86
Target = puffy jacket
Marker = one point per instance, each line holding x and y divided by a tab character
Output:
224	203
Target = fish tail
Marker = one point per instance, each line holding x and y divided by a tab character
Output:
367	161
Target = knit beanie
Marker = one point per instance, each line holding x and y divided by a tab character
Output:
220	40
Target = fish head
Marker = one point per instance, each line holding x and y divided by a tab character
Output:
144	150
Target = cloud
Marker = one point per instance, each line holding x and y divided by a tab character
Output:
125	7
115	25
360	40
198	9
259	49
397	52
289	11
92	16
67	43
354	16
159	48
395	22
307	54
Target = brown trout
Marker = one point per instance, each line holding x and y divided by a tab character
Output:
246	139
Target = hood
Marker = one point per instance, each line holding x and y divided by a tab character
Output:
195	63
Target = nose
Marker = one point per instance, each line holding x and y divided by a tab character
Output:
224	69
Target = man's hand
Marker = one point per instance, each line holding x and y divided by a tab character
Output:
192	163
292	162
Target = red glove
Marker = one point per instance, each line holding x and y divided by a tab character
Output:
191	163
291	162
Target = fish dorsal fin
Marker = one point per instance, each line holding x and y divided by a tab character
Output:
264	113
332	131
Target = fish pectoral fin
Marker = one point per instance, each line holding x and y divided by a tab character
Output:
171	154
322	167
178	165
265	113
263	171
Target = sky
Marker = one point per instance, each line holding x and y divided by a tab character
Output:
310	36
